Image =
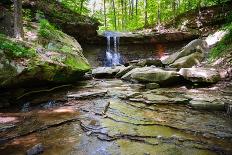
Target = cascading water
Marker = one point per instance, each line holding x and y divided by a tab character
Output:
112	56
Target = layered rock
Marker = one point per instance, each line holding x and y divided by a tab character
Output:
151	37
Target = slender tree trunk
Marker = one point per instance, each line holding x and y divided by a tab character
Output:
132	8
158	13
115	19
105	14
125	13
174	5
81	8
122	8
18	21
136	7
145	14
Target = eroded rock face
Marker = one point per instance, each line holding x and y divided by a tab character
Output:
201	75
151	74
152	37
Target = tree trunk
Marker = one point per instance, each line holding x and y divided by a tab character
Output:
136	7
18	21
122	14
132	8
81	8
145	14
115	19
105	14
158	13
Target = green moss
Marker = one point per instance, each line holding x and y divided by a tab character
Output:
225	45
15	49
77	63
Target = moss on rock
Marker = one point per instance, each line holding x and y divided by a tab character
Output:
53	57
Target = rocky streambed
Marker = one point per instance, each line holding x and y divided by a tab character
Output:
111	116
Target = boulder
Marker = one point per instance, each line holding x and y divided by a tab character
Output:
150	62
23	63
196	45
152	74
200	75
188	61
103	72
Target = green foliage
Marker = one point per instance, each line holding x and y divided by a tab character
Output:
225	45
27	15
46	30
78	6
14	49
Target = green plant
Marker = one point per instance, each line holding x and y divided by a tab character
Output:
225	45
14	49
46	30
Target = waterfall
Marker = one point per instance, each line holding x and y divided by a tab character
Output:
112	57
115	43
108	42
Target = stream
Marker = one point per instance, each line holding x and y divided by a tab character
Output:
95	117
99	120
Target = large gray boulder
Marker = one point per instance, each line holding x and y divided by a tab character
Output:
196	45
200	75
188	61
151	75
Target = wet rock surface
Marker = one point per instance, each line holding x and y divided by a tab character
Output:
163	122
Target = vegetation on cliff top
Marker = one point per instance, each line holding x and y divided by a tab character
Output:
225	45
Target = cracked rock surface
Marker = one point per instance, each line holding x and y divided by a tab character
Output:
109	116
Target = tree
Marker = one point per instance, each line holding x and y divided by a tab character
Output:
145	14
18	22
115	18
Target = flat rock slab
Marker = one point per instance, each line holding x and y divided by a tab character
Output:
151	98
86	95
200	75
